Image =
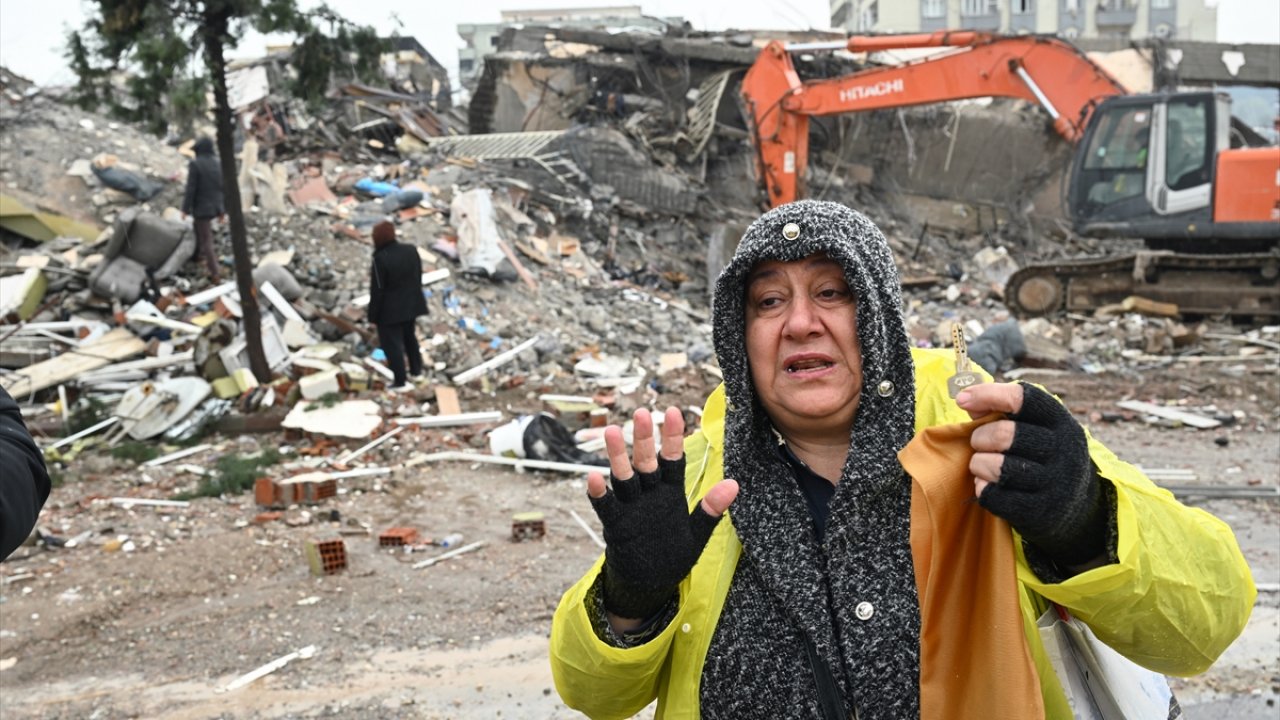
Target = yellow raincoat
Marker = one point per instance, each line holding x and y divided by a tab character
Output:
1179	594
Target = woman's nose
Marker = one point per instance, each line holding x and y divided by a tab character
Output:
802	318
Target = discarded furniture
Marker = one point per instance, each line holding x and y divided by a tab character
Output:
141	242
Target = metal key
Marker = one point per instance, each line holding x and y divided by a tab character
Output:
964	376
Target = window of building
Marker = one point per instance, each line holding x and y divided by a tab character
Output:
466	65
1022	7
933	8
841	14
869	16
1115	5
494	40
1161	4
979	7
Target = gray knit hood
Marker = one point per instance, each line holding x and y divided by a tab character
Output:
849	238
790	589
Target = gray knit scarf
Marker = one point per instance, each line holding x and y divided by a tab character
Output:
790	592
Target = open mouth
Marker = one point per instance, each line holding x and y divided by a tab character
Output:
809	364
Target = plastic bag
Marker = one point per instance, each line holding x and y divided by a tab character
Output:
1100	683
540	437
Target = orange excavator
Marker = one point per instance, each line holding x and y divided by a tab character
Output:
1174	169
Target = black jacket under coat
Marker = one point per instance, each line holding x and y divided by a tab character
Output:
203	198
395	285
24	480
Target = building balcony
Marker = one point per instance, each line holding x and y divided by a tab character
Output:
987	21
1022	23
1116	18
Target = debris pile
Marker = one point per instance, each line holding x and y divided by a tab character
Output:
568	261
570	221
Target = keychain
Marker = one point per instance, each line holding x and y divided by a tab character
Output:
964	377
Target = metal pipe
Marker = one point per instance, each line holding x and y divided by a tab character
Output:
942	38
1035	90
85	433
805	47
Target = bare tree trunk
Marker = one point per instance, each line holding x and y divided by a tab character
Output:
215	29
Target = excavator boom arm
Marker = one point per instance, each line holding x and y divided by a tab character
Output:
1039	69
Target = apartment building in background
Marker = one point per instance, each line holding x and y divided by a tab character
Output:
482	39
1120	20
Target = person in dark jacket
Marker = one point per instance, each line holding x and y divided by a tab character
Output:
24	481
203	201
395	300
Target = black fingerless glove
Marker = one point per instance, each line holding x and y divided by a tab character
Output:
652	540
1048	489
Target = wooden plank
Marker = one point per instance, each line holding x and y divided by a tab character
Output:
1168	413
447	401
115	345
112	372
1147	306
520	269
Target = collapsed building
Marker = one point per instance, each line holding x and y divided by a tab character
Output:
571	221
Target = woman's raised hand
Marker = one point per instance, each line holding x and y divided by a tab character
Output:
652	540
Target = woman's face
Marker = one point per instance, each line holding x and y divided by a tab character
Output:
802	344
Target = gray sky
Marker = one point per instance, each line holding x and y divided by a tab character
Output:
32	32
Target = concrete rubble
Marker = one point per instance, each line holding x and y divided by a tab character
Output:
568	252
587	232
576	246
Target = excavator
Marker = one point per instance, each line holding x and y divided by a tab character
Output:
1175	169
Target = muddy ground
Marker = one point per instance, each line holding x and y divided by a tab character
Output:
207	595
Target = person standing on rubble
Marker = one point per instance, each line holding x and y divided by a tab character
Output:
396	301
24	479
202	201
845	569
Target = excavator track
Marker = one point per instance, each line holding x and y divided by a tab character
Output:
1244	286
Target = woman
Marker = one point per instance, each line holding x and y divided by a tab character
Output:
855	577
396	302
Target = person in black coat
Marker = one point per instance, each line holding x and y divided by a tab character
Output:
24	481
203	201
395	300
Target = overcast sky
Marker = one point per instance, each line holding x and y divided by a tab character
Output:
32	33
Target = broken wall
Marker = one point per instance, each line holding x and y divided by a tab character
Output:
527	94
609	158
982	163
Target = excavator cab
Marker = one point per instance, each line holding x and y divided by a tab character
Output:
1145	167
1178	171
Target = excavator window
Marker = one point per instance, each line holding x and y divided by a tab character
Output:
1115	162
1188	153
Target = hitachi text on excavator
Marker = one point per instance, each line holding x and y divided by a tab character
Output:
1173	169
